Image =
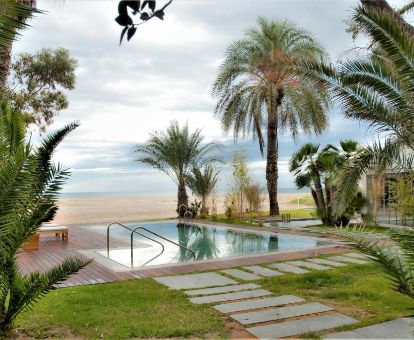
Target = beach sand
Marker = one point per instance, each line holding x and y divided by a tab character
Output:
103	210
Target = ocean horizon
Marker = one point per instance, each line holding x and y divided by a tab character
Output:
102	194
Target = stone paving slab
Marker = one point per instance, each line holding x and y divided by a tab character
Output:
193	281
395	329
246	294
258	303
328	262
280	313
296	327
218	290
309	265
347	259
284	267
242	275
263	271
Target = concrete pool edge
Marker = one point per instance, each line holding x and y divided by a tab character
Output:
230	262
226	262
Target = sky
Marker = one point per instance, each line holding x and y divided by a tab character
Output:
165	73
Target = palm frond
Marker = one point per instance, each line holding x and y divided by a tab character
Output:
36	285
12	20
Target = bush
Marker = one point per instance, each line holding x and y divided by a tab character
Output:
230	205
253	193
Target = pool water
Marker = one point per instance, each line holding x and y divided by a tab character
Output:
206	242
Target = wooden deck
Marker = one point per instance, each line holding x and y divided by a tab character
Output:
53	251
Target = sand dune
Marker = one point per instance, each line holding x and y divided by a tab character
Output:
136	208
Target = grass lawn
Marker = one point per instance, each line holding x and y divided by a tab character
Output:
306	200
138	308
143	308
370	229
360	291
249	217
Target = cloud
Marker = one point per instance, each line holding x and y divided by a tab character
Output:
165	73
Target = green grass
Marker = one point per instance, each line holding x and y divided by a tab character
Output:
306	200
144	308
360	291
248	218
138	308
370	229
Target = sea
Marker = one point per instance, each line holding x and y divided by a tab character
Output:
74	195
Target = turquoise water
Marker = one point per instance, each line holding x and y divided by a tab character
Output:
207	242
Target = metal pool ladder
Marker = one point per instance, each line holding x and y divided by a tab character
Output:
133	231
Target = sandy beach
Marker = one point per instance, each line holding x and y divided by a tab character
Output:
89	210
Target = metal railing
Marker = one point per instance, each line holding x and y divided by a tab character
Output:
134	231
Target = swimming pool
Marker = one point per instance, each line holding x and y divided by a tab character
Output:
206	242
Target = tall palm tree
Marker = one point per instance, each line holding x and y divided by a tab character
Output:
259	90
29	185
175	152
202	183
377	90
13	18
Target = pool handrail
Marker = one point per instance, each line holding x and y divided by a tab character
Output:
166	239
134	231
132	240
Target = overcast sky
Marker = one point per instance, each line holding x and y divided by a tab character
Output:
165	73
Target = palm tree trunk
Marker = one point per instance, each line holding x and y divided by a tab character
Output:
272	154
383	6
5	60
204	208
182	197
319	193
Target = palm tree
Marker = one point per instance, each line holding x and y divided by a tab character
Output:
307	166
175	152
258	88
29	185
318	170
13	18
378	91
202	184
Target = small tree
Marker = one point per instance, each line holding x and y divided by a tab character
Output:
36	84
253	192
240	175
202	183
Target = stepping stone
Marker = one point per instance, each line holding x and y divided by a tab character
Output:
284	267
240	274
263	271
296	327
395	329
309	265
347	259
218	290
328	262
193	281
280	313
359	256
258	303
230	296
